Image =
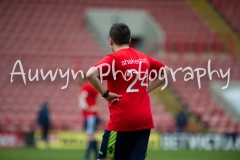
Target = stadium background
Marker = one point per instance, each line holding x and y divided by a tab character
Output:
51	34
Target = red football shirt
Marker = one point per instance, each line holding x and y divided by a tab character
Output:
87	98
132	111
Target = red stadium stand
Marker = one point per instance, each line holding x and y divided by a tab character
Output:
199	101
230	11
51	34
60	30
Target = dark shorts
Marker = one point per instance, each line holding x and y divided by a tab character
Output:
124	145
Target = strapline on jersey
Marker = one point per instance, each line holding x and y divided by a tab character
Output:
134	61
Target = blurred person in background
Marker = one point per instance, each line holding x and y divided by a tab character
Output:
87	102
44	120
181	120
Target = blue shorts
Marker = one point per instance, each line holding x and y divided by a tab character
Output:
124	145
90	124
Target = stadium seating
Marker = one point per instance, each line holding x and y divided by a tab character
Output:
51	34
199	101
230	11
60	30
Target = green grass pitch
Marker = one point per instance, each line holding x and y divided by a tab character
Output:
48	154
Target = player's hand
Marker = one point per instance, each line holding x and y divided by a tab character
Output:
113	97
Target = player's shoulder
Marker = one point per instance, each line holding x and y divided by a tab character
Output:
114	55
117	53
125	52
142	55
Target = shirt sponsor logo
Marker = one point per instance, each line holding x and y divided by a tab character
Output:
134	61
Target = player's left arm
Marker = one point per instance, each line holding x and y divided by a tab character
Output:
156	82
93	76
158	66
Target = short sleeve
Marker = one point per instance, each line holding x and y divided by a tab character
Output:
155	65
104	67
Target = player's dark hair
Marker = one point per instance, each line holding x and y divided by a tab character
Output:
120	33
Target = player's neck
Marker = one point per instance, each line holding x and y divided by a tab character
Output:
117	48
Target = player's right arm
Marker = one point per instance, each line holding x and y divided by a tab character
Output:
93	77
